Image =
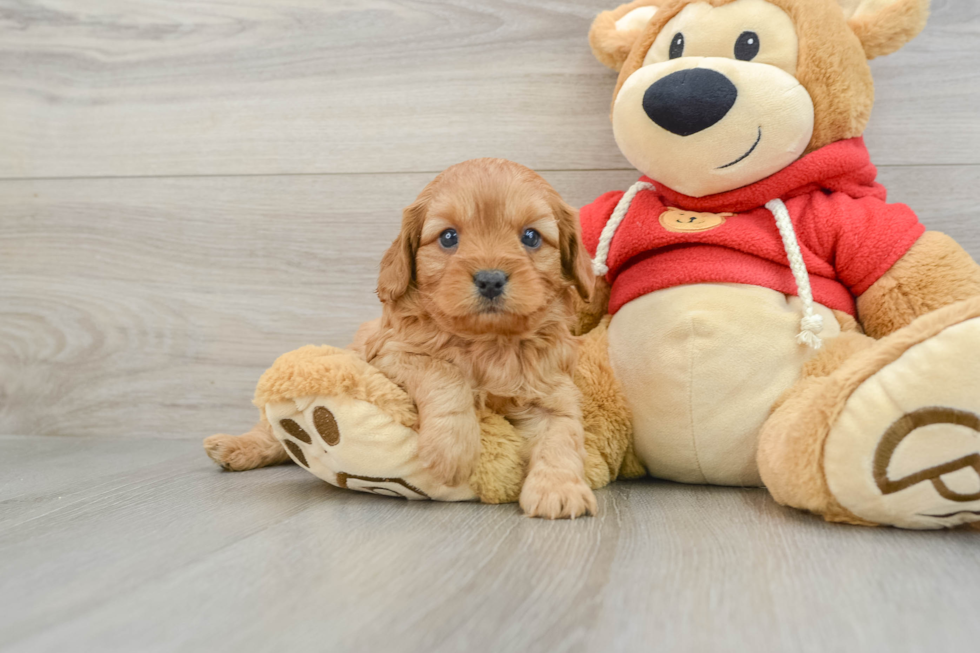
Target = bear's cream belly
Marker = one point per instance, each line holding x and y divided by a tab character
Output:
701	366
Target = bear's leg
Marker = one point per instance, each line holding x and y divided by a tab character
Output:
344	421
884	431
256	448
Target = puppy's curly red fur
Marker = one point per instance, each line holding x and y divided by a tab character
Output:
453	349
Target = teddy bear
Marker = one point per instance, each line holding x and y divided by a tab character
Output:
763	317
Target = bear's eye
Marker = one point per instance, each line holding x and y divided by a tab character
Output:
448	239
677	46
531	239
747	46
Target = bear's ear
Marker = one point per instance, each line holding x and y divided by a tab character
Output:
884	26
613	33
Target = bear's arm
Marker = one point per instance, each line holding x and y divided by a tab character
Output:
935	272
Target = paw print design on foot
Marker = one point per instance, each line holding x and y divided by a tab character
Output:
325	426
956	480
905	449
386	487
354	445
557	496
344	421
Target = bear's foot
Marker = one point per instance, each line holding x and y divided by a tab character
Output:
905	447
345	422
363	449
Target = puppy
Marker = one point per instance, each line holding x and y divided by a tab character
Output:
478	293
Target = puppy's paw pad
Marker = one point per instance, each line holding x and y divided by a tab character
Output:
550	498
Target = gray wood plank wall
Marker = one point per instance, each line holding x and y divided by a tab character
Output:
189	189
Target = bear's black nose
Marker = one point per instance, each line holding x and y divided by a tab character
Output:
490	283
689	101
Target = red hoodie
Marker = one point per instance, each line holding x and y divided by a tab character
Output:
848	234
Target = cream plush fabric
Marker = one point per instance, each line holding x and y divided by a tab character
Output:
701	367
914	419
361	448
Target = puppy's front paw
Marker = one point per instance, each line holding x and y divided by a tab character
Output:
233	453
450	460
556	496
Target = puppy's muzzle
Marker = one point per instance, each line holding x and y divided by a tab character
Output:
490	283
688	101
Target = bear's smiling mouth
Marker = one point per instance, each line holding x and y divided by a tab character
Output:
744	156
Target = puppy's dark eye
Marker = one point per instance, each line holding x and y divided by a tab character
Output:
747	46
531	239
449	239
677	46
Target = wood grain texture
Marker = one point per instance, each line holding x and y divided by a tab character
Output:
155	87
147	546
149	307
189	189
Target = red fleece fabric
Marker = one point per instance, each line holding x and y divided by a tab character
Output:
849	235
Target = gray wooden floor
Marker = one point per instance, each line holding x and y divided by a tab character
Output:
141	545
188	189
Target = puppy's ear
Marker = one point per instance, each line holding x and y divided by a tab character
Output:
613	33
576	266
884	26
398	263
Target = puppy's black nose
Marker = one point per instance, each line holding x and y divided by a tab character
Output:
490	283
689	101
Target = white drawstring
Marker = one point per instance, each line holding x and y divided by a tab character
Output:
812	323
605	239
